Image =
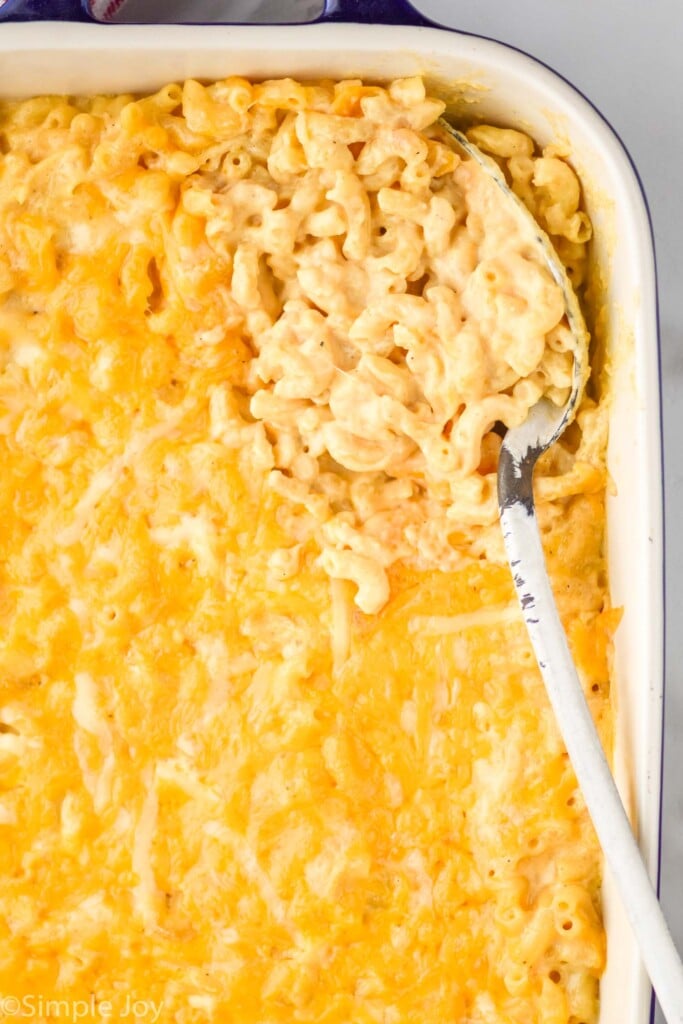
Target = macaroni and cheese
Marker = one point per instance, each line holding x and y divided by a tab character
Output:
273	739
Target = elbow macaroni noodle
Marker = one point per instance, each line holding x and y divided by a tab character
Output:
255	344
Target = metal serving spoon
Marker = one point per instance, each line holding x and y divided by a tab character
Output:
521	449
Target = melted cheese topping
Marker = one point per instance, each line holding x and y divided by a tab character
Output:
227	789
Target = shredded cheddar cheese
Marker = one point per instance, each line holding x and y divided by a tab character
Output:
254	769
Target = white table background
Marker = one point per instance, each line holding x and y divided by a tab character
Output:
627	57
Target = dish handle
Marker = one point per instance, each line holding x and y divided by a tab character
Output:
374	12
42	10
371	12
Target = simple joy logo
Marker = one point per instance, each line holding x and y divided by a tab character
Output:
42	1007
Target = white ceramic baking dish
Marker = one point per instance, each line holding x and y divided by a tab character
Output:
486	80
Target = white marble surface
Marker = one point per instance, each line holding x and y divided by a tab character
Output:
625	55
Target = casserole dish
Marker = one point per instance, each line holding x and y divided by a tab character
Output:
493	83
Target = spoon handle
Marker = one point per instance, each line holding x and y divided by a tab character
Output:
527	562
